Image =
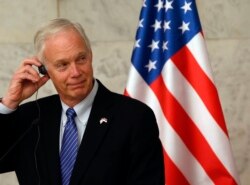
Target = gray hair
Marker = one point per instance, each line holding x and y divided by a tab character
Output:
52	27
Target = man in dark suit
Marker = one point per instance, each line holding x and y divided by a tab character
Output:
117	138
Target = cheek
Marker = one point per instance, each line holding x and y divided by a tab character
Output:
86	71
58	80
89	70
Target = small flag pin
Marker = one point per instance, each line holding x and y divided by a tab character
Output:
103	120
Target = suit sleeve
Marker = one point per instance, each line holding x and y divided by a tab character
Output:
146	165
8	136
13	128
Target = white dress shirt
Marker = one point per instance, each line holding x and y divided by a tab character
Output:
82	110
4	109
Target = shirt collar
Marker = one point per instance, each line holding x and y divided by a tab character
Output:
83	107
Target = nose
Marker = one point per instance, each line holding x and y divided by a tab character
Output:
75	71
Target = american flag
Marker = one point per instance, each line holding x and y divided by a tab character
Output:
171	73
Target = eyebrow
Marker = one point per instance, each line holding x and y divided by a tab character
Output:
81	54
75	57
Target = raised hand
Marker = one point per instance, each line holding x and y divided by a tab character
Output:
24	83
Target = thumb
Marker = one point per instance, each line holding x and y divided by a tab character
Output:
42	81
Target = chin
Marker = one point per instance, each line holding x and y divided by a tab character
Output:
79	93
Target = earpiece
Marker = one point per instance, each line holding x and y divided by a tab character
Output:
42	69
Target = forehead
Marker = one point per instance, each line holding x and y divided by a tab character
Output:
64	44
65	35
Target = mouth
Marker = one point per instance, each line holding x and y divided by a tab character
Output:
76	85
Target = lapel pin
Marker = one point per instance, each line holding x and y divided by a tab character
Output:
103	120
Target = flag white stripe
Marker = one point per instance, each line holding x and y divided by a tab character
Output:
198	48
195	108
183	158
171	142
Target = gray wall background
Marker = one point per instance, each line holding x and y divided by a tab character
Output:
111	26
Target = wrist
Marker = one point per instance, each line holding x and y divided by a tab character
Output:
9	104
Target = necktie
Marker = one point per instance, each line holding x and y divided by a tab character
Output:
69	147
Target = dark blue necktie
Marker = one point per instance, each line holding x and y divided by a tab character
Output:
69	147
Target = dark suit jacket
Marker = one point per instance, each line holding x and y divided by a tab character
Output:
124	151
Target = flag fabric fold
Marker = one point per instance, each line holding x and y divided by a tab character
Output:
171	73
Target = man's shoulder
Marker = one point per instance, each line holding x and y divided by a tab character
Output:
119	99
131	104
48	100
51	98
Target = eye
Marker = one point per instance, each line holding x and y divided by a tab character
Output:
61	66
82	59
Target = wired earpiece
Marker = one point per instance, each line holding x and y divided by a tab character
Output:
42	70
35	122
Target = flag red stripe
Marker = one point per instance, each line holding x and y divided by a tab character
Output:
189	133
189	67
126	93
175	177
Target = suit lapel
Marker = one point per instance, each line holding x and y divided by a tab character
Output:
97	126
50	129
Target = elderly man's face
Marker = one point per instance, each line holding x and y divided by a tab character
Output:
69	65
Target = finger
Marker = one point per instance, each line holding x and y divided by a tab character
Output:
26	74
31	61
42	80
21	77
30	71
